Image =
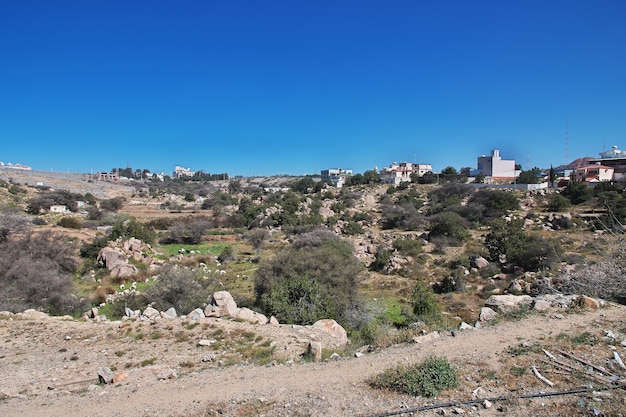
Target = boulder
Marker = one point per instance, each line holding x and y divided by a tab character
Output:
170	313
221	305
487	314
31	314
151	313
588	302
541	306
245	314
123	270
196	314
558	300
334	329
111	257
478	262
508	302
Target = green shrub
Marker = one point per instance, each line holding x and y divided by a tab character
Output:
408	247
558	203
70	222
299	300
449	225
183	289
425	306
325	260
382	259
227	254
424	379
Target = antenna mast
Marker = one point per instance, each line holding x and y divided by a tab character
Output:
567	139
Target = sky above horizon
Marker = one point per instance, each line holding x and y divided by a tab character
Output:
290	87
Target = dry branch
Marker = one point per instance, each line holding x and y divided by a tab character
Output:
541	377
618	360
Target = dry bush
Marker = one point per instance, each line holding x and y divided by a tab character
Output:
36	272
605	279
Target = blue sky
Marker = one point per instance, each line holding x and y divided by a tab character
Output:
294	87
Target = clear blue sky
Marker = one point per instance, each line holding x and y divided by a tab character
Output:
269	87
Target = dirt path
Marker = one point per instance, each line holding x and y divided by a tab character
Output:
332	388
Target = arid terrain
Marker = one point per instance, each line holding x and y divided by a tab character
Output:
187	367
49	367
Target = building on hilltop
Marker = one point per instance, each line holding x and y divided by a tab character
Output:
397	173
338	176
615	159
495	167
594	173
180	172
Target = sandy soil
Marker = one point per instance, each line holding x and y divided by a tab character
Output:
40	358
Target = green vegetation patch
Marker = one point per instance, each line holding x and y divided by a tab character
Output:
423	379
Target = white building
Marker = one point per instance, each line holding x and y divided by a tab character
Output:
180	172
401	172
495	167
338	176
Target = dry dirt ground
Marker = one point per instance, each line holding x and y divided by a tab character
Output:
49	368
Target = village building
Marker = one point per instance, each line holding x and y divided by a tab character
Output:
614	158
397	173
180	172
495	167
337	176
594	173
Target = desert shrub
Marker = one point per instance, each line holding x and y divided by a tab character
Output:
408	247
300	300
162	223
451	283
321	257
405	216
94	213
382	259
70	222
426	379
36	272
604	279
577	192
12	223
183	289
218	199
487	204
112	204
256	237
557	203
188	231
353	228
39	221
227	254
425	306
508	238
449	225
448	195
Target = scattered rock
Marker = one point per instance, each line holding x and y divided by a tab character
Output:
487	314
508	302
334	329
105	375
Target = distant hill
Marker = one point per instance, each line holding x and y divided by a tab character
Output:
576	163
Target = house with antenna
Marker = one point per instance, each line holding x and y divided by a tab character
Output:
397	173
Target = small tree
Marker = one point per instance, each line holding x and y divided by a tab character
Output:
425	306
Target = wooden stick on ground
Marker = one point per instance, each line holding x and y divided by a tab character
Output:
541	377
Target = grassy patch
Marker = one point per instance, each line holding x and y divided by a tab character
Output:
423	379
148	362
